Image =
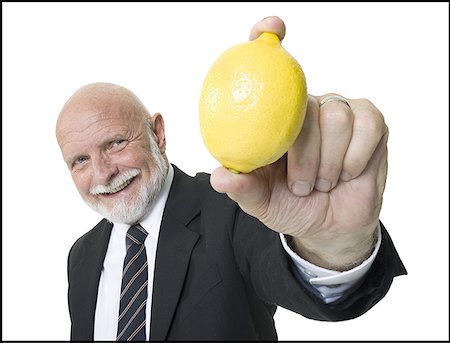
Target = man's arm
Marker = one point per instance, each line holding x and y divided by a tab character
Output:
269	270
326	193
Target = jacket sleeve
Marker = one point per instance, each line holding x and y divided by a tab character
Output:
266	266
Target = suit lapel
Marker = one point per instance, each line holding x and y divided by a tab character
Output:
175	245
87	276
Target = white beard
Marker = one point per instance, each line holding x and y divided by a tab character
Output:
130	211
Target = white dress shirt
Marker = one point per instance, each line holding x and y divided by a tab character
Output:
330	284
108	298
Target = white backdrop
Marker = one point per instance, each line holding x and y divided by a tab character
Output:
394	54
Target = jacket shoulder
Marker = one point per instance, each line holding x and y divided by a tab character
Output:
210	197
88	239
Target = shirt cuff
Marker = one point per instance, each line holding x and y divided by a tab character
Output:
331	285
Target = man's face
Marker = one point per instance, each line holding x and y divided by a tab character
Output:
115	161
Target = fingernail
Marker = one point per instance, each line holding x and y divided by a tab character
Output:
323	185
301	188
345	176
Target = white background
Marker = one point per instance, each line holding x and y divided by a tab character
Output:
394	54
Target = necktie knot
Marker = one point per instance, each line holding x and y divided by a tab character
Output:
136	234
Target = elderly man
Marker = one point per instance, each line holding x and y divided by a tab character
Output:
210	257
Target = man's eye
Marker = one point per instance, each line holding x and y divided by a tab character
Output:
80	160
118	142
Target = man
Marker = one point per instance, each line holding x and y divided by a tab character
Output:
303	233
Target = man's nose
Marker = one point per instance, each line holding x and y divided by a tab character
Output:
103	170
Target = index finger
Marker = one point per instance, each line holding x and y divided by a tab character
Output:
270	24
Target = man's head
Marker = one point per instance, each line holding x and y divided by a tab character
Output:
114	149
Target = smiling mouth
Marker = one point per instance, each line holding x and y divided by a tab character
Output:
118	188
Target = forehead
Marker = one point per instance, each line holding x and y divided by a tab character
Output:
82	128
79	120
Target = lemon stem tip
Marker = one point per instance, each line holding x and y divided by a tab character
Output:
269	37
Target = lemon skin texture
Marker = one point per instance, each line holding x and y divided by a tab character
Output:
252	104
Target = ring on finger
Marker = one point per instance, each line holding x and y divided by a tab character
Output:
334	98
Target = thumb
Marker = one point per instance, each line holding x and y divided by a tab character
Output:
246	189
270	24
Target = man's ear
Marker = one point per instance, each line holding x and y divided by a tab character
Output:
157	122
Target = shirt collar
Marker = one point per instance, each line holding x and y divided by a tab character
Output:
152	221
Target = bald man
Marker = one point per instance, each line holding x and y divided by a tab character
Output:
221	252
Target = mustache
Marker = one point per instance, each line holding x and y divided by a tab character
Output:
116	184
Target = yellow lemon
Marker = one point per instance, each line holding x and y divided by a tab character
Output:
252	104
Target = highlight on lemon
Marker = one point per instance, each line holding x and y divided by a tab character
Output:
252	104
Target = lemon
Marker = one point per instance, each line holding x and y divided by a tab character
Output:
252	104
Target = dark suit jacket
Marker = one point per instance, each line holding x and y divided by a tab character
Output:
219	273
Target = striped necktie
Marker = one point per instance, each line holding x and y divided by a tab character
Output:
133	296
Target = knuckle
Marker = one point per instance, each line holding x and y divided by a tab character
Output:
365	103
369	115
353	166
372	121
336	118
329	170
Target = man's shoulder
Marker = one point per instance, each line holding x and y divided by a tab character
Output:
98	233
200	183
191	194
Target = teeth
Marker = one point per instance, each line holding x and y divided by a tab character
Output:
119	188
116	184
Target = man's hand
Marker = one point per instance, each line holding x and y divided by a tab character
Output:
326	192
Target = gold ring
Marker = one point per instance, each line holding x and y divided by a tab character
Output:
334	98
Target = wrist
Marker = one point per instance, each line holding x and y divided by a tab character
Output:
340	252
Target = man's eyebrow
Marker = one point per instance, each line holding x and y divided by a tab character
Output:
111	138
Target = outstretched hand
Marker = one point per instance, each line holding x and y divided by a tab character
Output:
326	191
